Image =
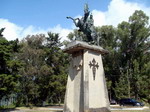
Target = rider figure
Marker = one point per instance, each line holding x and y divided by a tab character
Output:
86	24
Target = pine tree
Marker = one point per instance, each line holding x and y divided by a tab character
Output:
9	66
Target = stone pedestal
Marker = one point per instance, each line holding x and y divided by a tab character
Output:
86	87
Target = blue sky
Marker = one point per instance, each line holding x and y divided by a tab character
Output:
22	17
45	13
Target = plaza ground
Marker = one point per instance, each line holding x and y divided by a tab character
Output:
115	108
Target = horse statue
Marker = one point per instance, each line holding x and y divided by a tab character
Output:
86	25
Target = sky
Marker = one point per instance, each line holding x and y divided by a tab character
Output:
28	17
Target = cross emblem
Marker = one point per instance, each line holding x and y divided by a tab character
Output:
94	65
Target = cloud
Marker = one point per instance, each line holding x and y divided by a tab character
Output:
62	31
14	31
118	11
99	18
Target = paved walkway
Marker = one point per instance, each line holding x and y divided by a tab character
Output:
61	109
128	108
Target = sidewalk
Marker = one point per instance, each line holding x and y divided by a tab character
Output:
60	109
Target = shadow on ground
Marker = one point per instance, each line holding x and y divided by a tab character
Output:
9	110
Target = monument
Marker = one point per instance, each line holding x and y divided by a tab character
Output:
86	87
86	25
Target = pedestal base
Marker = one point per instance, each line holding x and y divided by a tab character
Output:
86	86
104	109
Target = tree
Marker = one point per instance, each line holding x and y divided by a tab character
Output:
57	61
9	67
108	40
32	57
126	65
44	69
133	38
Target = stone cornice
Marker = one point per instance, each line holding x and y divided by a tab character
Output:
79	45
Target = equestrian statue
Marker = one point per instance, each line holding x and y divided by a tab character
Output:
86	25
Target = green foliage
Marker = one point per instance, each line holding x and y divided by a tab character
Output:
44	70
126	65
133	39
57	61
8	67
12	106
36	67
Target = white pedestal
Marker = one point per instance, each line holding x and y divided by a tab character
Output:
86	87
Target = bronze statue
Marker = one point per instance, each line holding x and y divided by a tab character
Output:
86	25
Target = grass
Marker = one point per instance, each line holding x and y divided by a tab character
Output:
7	107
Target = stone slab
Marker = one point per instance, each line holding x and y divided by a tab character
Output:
79	45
